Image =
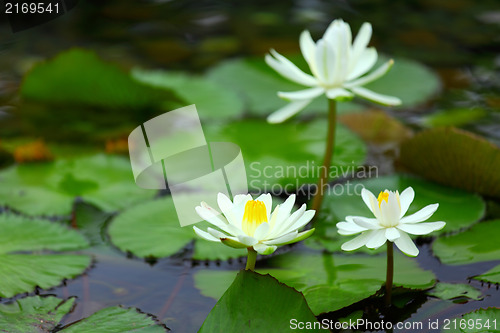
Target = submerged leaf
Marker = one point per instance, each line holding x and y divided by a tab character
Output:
448	291
454	157
251	303
492	276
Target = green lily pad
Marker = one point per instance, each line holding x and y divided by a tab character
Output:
288	154
152	229
454	117
116	319
456	158
34	314
459	209
23	272
480	321
473	245
50	188
79	76
43	314
492	276
449	291
212	100
328	282
250	305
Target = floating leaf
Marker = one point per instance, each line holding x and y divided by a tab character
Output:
449	291
116	319
33	314
328	282
454	117
492	276
211	99
23	272
457	208
295	158
250	305
153	229
376	126
91	222
454	157
479	321
43	314
473	245
79	76
50	188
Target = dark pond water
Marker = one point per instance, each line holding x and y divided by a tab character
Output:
457	38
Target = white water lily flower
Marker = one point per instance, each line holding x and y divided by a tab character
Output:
389	222
337	65
249	223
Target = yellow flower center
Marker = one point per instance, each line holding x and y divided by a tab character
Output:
383	196
255	214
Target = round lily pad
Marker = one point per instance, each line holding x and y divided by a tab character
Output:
152	229
23	272
289	154
51	188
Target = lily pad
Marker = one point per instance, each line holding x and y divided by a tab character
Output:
152	229
454	157
43	314
51	188
212	100
116	319
473	245
450	291
23	272
34	314
250	304
492	276
454	117
328	282
459	209
288	154
481	321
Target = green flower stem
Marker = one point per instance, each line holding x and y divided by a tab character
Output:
251	258
390	273
329	150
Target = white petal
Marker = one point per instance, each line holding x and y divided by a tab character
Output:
267	199
406	245
338	37
282	239
361	41
325	61
308	49
377	239
285	209
392	234
347	228
390	210
288	70
247	240
357	242
209	214
368	198
287	111
363	64
286	226
366	223
301	221
421	228
376	97
216	233
205	235
379	72
226	206
264	249
261	231
421	215
302	94
337	92
239	198
405	199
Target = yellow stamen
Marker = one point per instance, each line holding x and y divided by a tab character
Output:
255	214
383	196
